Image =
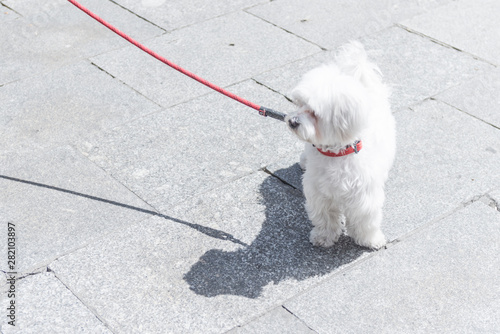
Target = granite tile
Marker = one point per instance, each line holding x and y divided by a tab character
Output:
45	305
406	61
54	33
441	162
479	97
194	147
442	279
172	15
468	25
69	105
330	24
59	201
209	265
225	50
417	68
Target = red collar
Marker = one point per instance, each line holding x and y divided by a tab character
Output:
354	148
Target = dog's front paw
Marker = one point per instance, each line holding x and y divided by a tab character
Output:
375	241
323	238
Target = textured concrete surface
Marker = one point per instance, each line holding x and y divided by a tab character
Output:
446	282
51	33
207	266
329	26
60	201
470	26
480	97
161	147
66	107
45	305
143	202
225	50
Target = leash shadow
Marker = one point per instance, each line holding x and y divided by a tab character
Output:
280	252
211	232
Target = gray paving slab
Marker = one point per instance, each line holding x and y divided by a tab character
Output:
442	161
194	147
330	24
172	15
468	25
442	280
45	305
53	33
417	68
276	321
69	105
406	61
225	258
479	97
59	201
225	50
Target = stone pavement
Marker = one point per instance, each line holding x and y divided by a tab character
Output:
143	202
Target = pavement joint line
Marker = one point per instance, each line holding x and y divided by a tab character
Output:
88	307
368	254
102	69
443	44
4	5
287	31
267	171
165	107
144	96
465	112
272	90
206	20
142	18
27	274
437	219
299	319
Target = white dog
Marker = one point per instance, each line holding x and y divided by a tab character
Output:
345	119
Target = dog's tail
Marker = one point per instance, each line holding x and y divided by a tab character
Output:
353	60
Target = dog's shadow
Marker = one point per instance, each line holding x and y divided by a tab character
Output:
281	251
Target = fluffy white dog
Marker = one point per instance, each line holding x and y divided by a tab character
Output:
345	119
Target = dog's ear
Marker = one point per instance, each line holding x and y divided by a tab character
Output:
353	60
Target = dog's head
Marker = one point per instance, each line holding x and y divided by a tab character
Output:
333	100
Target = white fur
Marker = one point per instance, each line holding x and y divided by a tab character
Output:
338	104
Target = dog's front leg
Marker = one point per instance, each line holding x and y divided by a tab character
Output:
364	218
326	220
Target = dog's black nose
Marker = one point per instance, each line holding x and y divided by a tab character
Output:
293	122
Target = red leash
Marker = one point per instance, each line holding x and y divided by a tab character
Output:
262	110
